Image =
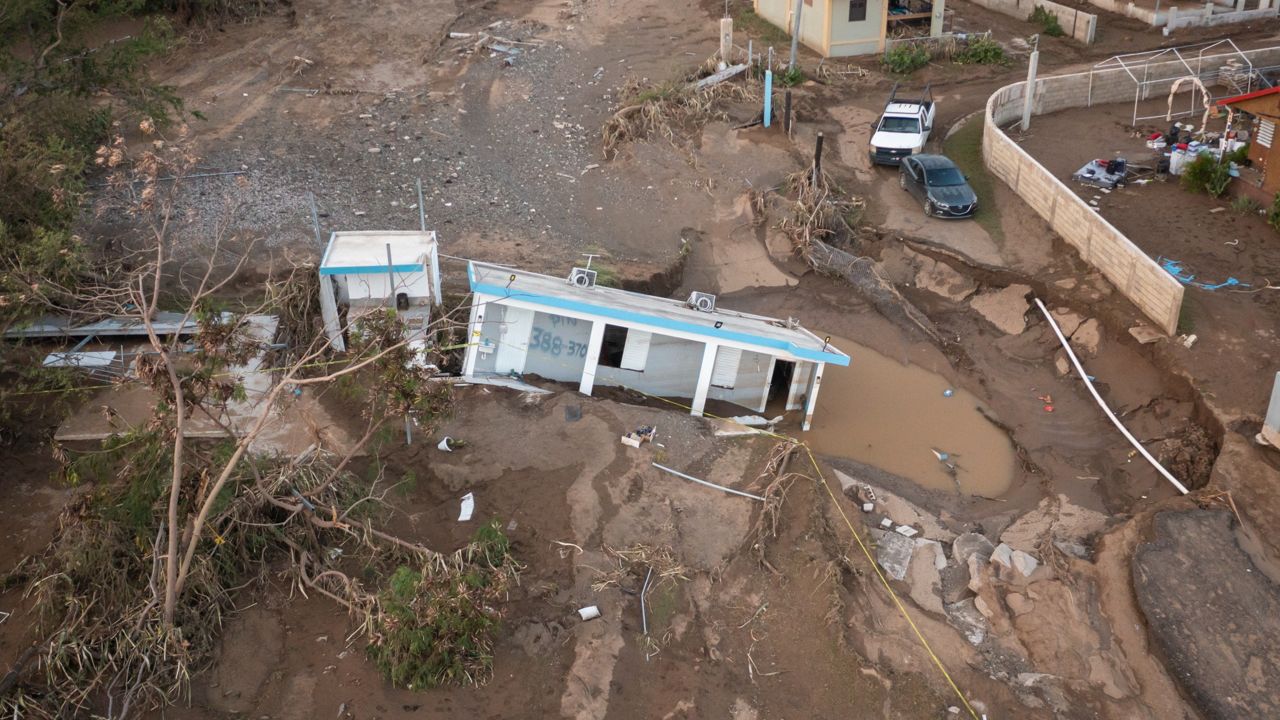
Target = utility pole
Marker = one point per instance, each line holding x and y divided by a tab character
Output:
1029	92
795	34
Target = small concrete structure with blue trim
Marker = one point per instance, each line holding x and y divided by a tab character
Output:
375	269
525	323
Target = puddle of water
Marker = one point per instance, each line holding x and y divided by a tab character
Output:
894	416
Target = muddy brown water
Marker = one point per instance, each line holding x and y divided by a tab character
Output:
894	416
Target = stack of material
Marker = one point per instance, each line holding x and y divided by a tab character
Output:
1108	174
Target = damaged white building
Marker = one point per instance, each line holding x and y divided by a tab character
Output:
363	271
574	331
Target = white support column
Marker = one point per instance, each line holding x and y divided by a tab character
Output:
812	403
593	357
475	326
704	378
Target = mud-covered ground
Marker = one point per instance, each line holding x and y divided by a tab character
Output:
508	151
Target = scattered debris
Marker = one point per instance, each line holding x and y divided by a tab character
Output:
590	612
639	436
468	507
444	444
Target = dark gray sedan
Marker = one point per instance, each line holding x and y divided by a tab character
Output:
939	185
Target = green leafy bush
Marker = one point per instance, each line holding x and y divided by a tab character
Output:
1206	174
791	77
1273	214
1239	156
1245	205
1048	22
905	58
981	51
436	624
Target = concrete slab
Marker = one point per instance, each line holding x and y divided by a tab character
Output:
941	279
1067	320
893	553
1145	334
1005	308
925	578
1087	337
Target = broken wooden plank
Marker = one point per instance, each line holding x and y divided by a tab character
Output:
717	78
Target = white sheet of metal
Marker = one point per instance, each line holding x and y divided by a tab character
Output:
726	369
636	352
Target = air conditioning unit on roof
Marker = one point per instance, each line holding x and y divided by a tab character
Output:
582	277
703	302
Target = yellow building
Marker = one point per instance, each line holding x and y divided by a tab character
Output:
841	28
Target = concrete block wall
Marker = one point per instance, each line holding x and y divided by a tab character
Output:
1079	25
1196	17
1155	292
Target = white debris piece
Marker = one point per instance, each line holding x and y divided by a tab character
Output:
468	507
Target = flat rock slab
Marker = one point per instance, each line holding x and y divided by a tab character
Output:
1214	614
893	552
1087	336
1067	320
940	279
1006	308
1145	334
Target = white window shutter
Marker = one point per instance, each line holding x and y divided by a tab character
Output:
725	373
636	351
1266	133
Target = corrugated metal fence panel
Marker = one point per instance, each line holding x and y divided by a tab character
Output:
636	352
726	369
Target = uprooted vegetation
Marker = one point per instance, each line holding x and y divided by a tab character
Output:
131	592
664	110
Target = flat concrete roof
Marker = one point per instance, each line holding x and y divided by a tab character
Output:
724	326
365	251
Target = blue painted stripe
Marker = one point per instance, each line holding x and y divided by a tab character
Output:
372	269
656	321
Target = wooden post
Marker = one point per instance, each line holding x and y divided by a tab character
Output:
726	40
817	161
391	278
786	113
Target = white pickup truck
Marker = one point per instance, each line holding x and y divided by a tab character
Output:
903	127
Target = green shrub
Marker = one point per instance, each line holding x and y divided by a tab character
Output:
1205	174
981	51
1273	214
1239	156
905	58
1245	206
792	77
1048	22
436	624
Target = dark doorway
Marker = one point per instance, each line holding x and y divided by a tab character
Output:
780	383
615	341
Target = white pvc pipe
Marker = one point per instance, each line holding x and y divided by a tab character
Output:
677	473
1112	416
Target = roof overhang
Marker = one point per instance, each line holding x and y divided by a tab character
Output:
776	346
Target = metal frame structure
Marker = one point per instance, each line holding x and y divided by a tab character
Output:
1192	58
